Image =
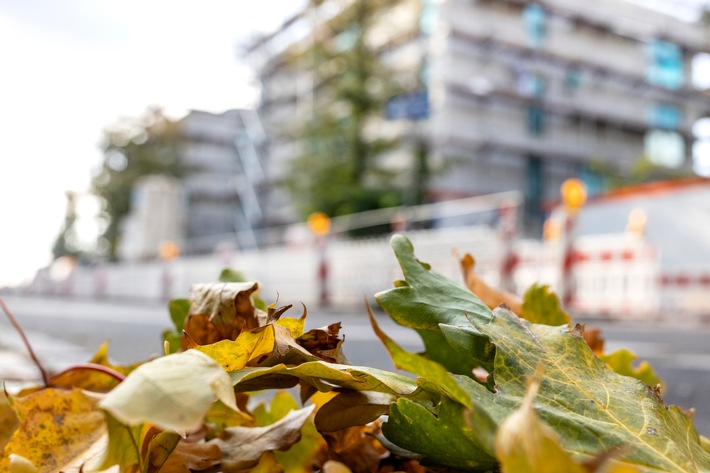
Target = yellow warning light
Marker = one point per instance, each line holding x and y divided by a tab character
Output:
574	193
552	230
169	250
636	224
319	223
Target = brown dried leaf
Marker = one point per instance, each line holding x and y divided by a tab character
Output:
242	447
220	311
357	447
593	337
490	296
325	343
352	408
189	456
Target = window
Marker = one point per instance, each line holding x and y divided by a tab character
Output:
666	65
427	21
701	71
701	147
665	115
535	21
536	120
665	148
573	79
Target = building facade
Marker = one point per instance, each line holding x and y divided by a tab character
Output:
216	202
517	94
222	179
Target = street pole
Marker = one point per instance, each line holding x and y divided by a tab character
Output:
574	195
319	223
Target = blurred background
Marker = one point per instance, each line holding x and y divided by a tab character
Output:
148	145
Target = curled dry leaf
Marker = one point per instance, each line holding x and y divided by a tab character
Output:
357	447
242	447
174	392
220	311
490	296
352	408
307	455
324	343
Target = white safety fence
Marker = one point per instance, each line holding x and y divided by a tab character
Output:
686	291
356	270
615	274
611	275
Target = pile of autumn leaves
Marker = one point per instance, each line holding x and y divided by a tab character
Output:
492	391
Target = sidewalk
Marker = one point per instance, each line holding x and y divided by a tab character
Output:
16	365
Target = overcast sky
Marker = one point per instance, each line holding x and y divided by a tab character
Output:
68	68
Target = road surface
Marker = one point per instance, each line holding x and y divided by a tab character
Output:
64	332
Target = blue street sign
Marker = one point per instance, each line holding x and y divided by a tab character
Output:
414	106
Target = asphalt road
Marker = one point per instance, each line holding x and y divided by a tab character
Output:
64	332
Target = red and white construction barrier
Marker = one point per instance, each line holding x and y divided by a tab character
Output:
686	291
604	274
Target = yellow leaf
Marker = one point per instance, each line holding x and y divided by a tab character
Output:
295	326
267	464
618	469
622	360
48	418
541	306
8	420
524	444
249	345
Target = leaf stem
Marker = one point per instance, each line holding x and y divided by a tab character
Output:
90	366
19	329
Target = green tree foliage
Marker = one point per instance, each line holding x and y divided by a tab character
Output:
65	243
133	148
642	171
340	169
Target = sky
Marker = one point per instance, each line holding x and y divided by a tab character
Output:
70	68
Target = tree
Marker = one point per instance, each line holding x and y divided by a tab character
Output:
340	169
133	148
65	243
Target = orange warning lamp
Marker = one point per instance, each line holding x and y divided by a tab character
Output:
574	193
319	223
169	250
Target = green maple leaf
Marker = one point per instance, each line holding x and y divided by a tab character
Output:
439	310
591	408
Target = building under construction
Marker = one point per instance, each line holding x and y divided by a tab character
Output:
509	94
